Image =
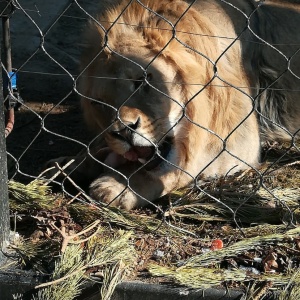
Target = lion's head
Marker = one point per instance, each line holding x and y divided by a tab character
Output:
135	104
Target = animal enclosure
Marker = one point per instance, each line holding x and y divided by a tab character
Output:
71	51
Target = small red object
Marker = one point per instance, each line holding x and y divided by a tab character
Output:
216	244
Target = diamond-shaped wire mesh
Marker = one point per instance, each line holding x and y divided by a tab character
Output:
174	90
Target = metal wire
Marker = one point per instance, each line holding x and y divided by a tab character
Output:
83	11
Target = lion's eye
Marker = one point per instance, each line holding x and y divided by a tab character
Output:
142	82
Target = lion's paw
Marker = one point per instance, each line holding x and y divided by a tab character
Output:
112	192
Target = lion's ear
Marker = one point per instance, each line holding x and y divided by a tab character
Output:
94	33
93	44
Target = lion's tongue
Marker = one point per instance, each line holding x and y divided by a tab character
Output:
138	153
114	160
131	155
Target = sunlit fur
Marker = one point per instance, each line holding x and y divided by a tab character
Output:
201	94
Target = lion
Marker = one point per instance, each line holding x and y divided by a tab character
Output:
185	90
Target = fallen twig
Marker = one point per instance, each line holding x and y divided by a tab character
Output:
70	238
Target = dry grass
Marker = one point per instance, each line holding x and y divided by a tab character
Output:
254	214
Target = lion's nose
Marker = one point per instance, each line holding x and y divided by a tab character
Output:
125	133
135	125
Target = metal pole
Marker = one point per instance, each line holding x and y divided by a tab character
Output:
4	208
7	62
6	44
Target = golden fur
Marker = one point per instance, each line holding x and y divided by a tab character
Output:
169	79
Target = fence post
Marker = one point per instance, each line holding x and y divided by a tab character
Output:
6	9
4	208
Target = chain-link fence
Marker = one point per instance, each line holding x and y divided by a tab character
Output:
177	112
196	97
